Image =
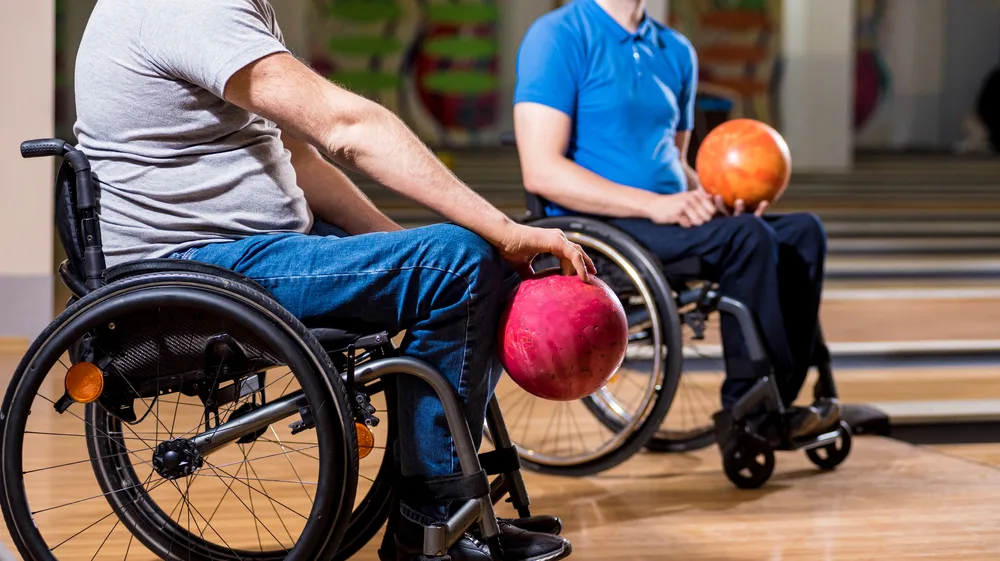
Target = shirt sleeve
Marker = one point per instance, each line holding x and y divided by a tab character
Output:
689	93
206	43
549	67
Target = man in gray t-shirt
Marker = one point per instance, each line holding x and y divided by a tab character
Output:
207	136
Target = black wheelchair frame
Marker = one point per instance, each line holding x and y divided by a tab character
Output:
85	273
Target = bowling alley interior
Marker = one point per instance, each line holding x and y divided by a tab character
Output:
519	280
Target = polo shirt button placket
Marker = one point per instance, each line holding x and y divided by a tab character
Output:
635	56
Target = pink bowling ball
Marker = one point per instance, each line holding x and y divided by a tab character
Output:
562	339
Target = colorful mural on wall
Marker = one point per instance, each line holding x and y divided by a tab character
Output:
434	62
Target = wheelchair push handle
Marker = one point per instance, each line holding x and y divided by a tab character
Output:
44	147
85	202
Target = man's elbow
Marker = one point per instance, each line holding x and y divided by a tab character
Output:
351	128
537	181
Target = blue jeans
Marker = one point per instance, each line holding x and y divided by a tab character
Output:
443	285
775	266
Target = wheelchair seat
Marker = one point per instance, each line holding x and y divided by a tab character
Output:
689	269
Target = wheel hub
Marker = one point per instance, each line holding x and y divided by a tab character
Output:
176	459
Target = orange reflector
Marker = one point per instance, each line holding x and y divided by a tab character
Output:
366	440
84	382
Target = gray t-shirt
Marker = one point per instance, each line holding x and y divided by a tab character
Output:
179	166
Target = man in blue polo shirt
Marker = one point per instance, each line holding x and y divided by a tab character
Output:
604	108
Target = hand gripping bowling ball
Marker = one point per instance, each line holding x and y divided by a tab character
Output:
561	338
744	159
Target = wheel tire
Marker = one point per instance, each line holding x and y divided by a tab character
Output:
667	310
748	463
832	455
334	506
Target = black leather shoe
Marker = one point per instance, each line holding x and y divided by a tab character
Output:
543	524
830	411
818	417
803	421
519	544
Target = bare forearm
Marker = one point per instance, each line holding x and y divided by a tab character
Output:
566	183
336	200
385	149
363	135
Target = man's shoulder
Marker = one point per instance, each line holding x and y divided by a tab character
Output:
564	22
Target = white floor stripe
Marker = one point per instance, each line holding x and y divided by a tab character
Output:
911	294
882	348
924	412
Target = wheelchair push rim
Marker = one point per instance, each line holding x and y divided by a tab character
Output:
572	428
126	510
688	425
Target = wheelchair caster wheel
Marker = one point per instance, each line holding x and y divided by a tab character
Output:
748	463
832	455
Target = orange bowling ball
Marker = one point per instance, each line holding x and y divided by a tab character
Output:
744	159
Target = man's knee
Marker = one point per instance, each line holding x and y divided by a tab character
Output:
749	234
806	231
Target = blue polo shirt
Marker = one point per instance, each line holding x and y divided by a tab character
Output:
627	93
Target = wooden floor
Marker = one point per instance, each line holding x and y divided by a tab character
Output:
890	500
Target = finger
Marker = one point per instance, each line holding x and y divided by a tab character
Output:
571	259
693	215
707	208
587	260
739	207
580	263
762	208
720	205
683	220
700	213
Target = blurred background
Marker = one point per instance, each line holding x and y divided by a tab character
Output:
886	105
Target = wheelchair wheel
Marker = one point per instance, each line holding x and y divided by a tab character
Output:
832	455
689	426
602	430
748	462
203	444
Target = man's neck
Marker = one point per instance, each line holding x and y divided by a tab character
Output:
628	13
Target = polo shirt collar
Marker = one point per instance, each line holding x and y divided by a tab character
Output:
649	29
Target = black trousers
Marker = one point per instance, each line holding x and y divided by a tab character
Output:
774	265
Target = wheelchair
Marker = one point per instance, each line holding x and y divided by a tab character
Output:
175	407
670	308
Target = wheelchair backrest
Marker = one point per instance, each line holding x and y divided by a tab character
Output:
77	213
67	221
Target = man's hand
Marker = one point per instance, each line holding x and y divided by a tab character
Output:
739	208
521	244
688	209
